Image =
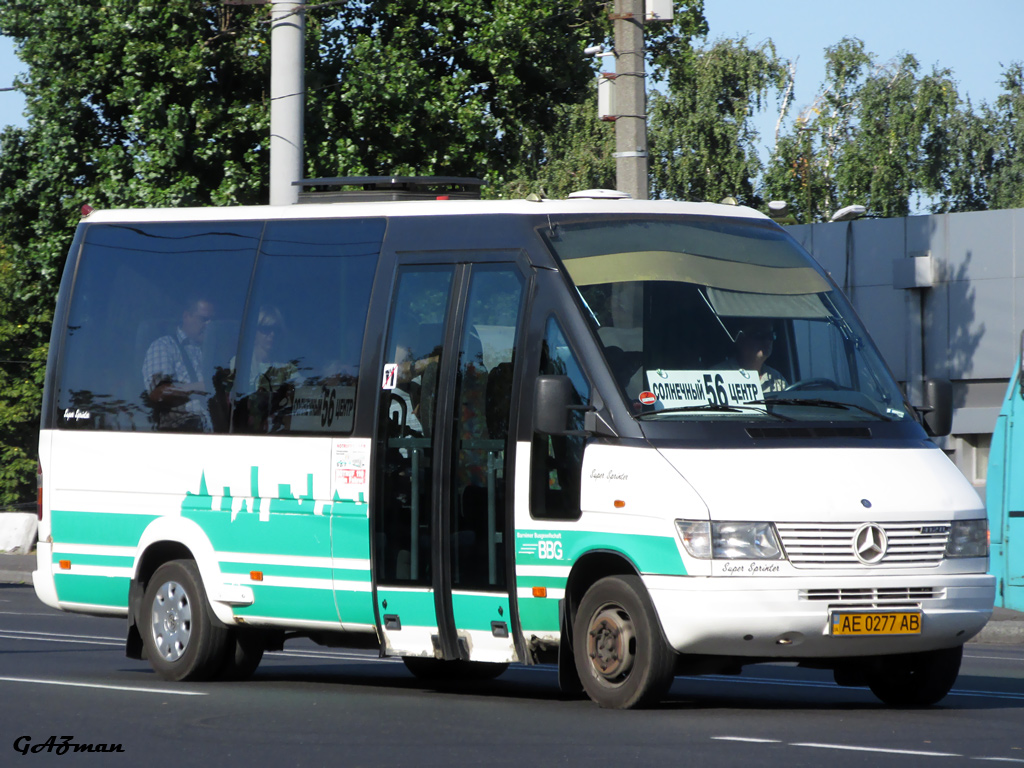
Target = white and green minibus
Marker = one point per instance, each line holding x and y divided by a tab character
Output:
638	439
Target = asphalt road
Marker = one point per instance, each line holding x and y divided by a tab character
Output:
65	675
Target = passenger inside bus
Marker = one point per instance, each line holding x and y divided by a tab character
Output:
172	372
269	384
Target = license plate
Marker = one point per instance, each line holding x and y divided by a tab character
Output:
876	623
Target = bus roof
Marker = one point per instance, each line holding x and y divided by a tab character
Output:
425	208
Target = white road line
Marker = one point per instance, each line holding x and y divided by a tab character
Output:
851	748
132	689
1000	759
746	739
1015	657
79	640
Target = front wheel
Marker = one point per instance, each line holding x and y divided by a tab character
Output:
621	657
183	640
914	679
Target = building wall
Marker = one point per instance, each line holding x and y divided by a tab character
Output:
943	297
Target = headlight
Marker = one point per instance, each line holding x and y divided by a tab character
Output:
968	538
729	541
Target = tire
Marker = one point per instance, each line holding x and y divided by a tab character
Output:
182	639
243	653
914	679
427	668
621	657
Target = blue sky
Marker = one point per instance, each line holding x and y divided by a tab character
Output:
974	39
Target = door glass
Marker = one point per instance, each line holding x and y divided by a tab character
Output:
483	403
412	356
558	459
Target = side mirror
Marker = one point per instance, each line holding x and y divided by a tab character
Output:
937	412
551	398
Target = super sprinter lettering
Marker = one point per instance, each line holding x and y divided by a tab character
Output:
23	744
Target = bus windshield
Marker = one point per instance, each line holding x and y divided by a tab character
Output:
712	319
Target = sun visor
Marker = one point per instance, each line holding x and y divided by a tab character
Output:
739	304
676	266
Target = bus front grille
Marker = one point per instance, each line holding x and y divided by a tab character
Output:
886	545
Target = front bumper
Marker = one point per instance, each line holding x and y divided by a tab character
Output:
775	618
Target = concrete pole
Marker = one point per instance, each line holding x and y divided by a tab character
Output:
287	100
630	99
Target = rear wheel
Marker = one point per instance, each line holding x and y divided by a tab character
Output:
428	668
914	679
621	657
183	640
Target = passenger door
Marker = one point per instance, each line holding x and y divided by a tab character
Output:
443	452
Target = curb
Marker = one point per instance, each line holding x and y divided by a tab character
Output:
16	577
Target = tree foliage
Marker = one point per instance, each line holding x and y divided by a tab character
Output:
887	137
703	142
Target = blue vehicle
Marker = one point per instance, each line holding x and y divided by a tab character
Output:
1005	494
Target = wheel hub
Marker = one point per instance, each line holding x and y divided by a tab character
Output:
611	643
172	620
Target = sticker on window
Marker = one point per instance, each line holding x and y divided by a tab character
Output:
688	389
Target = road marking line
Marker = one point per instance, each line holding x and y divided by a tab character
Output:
133	689
746	739
72	639
1000	759
850	748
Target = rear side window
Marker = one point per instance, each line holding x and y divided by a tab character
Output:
164	319
127	326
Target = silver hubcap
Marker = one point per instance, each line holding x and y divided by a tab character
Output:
172	620
611	643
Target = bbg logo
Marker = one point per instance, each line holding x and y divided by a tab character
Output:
549	550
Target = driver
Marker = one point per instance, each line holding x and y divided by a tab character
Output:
753	346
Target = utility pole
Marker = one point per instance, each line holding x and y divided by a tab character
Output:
287	100
630	99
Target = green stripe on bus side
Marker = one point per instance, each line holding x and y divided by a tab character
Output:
105	528
551	582
355	607
415	609
478	611
650	554
538	614
93	590
106	561
279	534
291	603
284	571
351	532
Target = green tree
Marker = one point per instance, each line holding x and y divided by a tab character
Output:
1005	121
576	151
703	143
878	135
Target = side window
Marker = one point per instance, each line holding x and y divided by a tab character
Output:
557	461
154	316
298	362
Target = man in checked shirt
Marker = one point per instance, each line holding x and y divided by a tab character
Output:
172	372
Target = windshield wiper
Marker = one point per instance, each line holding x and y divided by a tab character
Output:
716	408
819	402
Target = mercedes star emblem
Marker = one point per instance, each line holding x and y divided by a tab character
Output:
870	543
